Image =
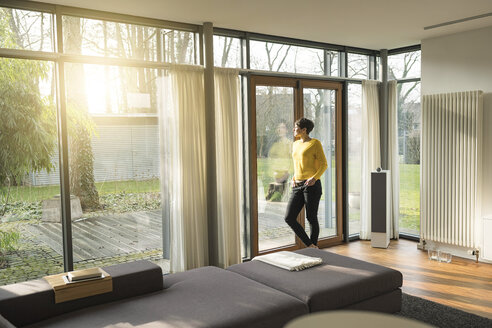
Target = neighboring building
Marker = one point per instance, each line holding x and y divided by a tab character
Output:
126	149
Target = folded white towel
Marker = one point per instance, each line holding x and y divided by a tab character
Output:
289	260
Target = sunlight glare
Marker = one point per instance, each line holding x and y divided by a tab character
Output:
95	86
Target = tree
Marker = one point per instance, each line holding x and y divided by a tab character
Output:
82	183
27	123
408	106
226	50
27	120
357	66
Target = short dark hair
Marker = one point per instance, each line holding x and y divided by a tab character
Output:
305	123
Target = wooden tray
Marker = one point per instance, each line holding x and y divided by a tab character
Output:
67	292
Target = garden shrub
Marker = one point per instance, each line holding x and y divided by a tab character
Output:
20	210
276	197
9	241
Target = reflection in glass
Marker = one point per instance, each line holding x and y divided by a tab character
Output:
404	66
30	219
114	164
354	155
274	117
409	127
28	30
227	51
358	66
320	107
279	57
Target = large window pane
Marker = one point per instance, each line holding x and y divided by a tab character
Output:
404	66
279	57
28	30
30	228
357	66
274	117
320	107
227	51
354	155
101	38
114	168
409	110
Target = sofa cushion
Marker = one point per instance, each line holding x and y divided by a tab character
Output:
337	283
204	297
32	301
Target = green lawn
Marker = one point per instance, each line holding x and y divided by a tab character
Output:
35	194
409	195
410	198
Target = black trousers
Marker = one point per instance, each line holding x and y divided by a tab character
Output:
309	197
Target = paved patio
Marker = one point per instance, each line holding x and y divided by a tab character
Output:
105	236
98	241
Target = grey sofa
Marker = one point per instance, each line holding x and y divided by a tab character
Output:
340	282
252	294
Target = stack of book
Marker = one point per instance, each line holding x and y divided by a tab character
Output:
84	275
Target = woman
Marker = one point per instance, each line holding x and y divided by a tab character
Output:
309	165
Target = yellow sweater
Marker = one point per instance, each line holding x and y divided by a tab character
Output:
309	159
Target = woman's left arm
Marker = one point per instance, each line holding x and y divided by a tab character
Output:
323	164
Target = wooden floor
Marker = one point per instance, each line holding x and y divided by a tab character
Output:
461	284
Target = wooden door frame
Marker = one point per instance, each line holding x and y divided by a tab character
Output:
297	85
338	88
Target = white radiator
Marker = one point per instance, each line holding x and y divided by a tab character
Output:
451	167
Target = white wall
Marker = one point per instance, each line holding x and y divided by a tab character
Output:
463	62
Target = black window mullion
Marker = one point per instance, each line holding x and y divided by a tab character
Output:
66	214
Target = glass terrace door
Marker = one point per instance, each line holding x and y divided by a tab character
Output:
276	104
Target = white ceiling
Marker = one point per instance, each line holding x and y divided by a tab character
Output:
372	24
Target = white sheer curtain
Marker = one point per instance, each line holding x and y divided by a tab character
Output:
393	159
183	165
227	158
371	156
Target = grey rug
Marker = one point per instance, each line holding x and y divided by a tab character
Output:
440	315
